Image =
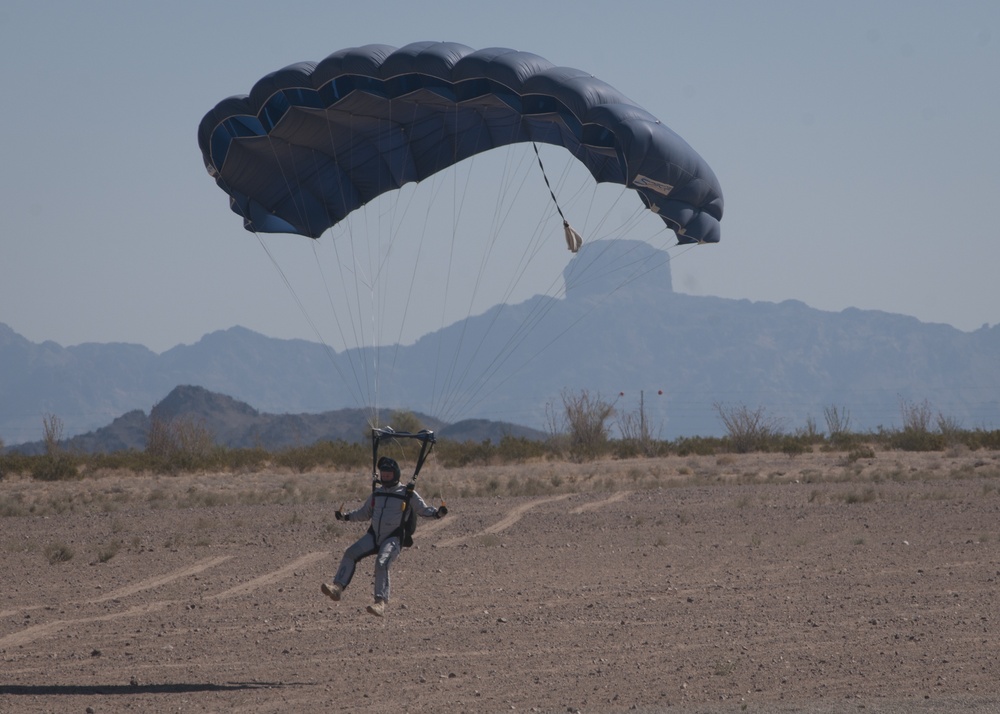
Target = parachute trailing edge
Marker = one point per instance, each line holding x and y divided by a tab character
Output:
314	141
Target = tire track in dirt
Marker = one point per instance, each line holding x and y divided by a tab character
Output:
35	632
134	588
47	629
594	505
20	610
433	527
272	577
506	522
159	580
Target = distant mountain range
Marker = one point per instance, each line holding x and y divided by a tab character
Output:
236	424
611	334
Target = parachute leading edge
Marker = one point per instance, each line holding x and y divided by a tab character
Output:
313	142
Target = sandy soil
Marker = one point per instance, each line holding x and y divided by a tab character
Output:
711	584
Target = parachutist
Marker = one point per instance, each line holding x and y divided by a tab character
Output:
391	508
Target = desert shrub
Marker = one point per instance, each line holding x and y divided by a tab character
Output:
325	454
632	448
517	449
527	486
697	446
109	551
950	429
245	460
54	464
15	463
451	454
342	454
180	444
127	460
915	434
300	459
916	416
844	441
586	419
916	440
54	467
557	445
838	422
862	451
866	496
52	430
981	439
795	445
13	505
57	553
748	429
11	464
627	448
810	431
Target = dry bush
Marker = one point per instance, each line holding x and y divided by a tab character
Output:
587	423
178	445
838	424
748	429
916	416
57	553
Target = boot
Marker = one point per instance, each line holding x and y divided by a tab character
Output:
378	608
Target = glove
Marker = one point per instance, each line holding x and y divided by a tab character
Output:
441	512
339	516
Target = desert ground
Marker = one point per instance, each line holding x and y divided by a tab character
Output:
729	583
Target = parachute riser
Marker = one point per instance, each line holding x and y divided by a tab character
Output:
425	437
573	239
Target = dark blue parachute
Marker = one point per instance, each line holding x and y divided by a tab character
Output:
312	142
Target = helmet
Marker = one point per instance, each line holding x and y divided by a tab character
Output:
387	464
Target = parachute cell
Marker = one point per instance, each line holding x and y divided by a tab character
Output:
313	142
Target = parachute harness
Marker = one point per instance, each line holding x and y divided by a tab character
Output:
573	239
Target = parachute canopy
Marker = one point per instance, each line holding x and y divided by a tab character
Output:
313	142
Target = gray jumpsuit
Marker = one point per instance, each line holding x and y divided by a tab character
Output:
384	508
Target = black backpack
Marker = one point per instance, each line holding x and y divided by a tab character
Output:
409	520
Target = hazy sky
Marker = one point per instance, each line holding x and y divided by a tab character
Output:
857	145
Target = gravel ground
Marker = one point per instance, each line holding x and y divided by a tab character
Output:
710	584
